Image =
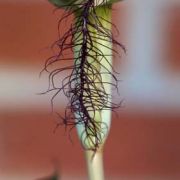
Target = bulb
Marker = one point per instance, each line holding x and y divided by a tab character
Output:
95	120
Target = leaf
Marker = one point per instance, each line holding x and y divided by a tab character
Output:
58	3
63	3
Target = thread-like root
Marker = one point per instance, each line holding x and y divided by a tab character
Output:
84	86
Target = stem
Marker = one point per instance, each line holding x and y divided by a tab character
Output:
95	164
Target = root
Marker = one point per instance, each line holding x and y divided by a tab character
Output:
84	86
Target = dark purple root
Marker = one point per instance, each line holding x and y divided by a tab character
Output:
83	87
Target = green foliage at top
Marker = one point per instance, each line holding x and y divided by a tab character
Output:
63	3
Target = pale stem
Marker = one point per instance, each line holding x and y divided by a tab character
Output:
95	164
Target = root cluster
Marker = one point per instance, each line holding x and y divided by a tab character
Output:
84	86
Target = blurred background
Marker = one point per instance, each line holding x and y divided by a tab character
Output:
144	138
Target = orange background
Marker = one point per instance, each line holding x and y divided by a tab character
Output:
140	145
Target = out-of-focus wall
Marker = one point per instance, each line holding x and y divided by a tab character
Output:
144	139
151	81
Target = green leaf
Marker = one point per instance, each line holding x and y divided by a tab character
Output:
58	3
63	3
